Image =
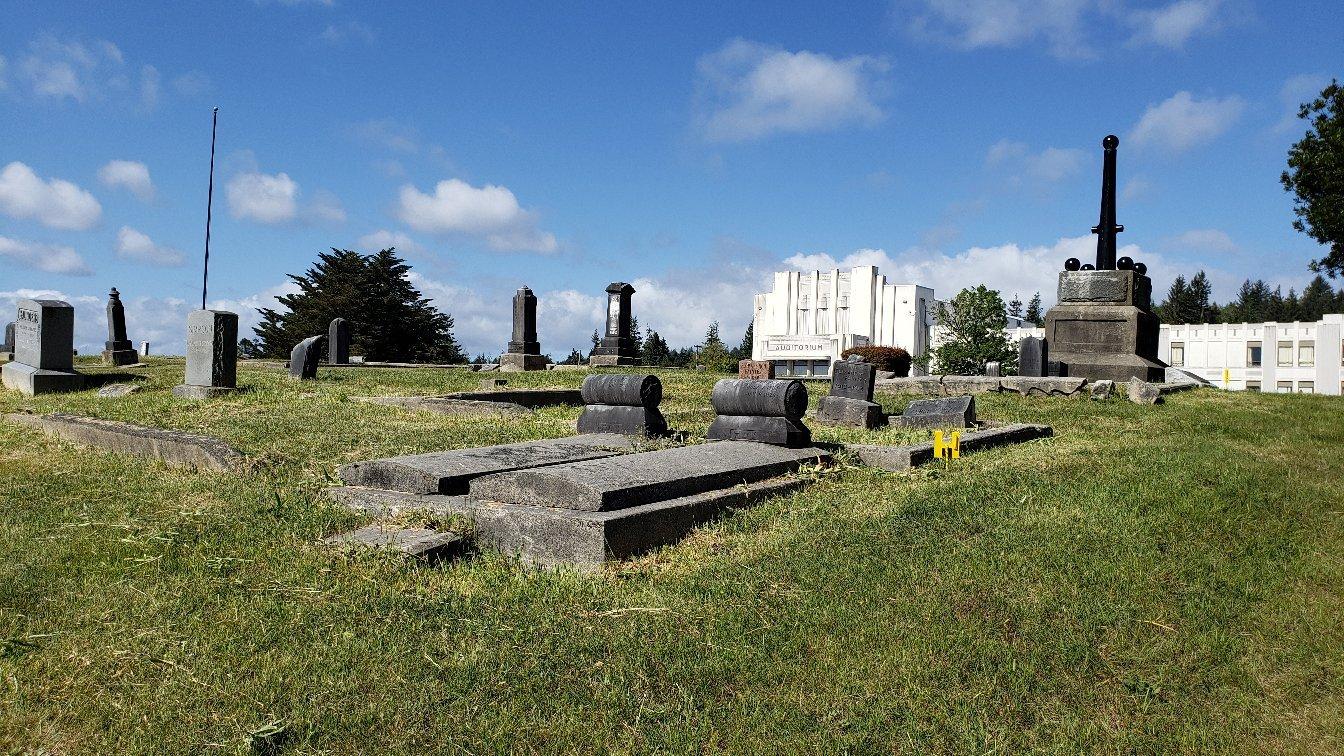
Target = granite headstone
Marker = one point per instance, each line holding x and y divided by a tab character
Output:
943	412
303	359
1031	357
617	346
625	404
212	355
44	336
757	370
768	411
338	342
118	350
524	351
851	399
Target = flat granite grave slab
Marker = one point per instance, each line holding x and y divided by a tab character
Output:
444	406
420	543
170	446
902	458
944	412
551	537
635	479
450	472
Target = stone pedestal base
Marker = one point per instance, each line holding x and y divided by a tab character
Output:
855	413
612	360
120	357
627	421
188	391
518	363
779	431
1102	328
31	381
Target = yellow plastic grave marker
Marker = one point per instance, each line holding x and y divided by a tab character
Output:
948	450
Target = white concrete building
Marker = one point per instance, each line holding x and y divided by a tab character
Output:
1302	358
809	319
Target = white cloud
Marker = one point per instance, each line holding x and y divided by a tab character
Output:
1182	122
264	198
491	213
325	208
54	203
191	83
1008	268
48	258
382	239
750	90
1049	166
1173	25
136	246
1295	91
975	24
353	31
71	69
1204	240
130	175
149	87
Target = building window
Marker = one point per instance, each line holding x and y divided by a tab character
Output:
1252	385
1253	354
1178	354
1285	354
1285	387
1306	387
1306	353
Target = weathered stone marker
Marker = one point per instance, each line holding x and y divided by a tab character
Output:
8	347
756	370
617	346
44	349
212	355
524	351
1031	357
1102	326
338	342
766	411
994	369
625	404
118	349
945	412
303	359
144	349
851	399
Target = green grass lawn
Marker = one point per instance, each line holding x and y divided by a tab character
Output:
1153	579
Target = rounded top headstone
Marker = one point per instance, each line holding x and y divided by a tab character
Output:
1072	264
1110	142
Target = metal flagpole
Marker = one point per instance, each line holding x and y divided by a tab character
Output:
209	201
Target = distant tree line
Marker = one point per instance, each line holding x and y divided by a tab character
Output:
1192	302
654	351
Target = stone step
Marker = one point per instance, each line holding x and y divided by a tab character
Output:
450	472
420	543
553	537
643	478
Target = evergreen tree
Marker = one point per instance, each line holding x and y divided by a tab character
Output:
575	358
635	335
655	351
743	351
597	340
1173	307
713	354
973	334
1015	307
1317	299
1035	315
1199	304
389	319
1315	176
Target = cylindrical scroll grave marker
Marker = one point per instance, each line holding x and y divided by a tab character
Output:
622	390
760	398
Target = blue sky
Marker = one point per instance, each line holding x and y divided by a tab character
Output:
688	148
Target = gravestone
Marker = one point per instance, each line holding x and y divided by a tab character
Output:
944	412
44	352
1102	326
768	412
212	355
625	404
118	349
994	369
304	357
617	346
851	399
524	351
8	348
1031	357
144	349
338	342
756	370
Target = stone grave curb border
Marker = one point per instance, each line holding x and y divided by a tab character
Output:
903	458
168	446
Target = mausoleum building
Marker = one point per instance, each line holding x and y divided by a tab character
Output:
810	318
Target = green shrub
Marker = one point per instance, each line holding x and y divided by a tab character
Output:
891	359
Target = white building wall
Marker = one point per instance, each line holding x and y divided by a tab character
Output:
809	318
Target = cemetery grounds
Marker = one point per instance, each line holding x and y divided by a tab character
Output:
1153	579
